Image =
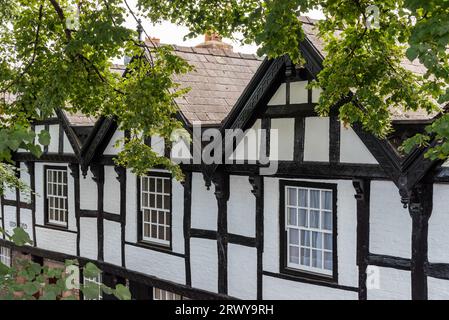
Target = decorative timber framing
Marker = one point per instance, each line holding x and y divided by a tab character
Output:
121	177
257	184
31	171
98	177
75	173
221	183
420	208
187	218
362	195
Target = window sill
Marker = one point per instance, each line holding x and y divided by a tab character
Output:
309	275
155	247
56	227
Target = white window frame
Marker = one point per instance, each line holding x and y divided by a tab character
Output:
56	192
159	294
146	208
96	281
5	256
308	229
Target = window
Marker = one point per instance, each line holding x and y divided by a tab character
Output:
159	294
5	256
95	282
56	196
309	222
155	205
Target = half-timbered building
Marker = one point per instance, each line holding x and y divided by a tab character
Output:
345	216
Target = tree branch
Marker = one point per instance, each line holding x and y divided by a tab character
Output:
61	16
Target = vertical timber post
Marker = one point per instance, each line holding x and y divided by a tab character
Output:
362	195
420	209
221	183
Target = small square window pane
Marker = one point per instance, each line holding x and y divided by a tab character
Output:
326	199
167	218
315	199
161	217
144	184
317	240
145	200
167	233
294	254
161	233
292	198
305	238
293	236
328	260
292	218
327	241
314	219
159	201
167	202
151	183
167	185
305	257
153	216
326	223
152	200
159	185
317	259
153	231
302	197
303	218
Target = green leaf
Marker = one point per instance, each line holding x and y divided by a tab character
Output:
412	53
121	292
44	137
90	270
20	237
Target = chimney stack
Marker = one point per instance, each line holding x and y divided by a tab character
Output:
212	40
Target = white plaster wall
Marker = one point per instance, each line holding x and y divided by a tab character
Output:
151	262
131	207
242	272
316	92
110	148
71	201
249	147
111	191
438	289
282	143
316	140
54	141
88	238
279	98
298	92
438	240
9	213
204	204
280	289
177	217
26	221
39	176
346	228
112	242
180	151
204	264
10	193
241	207
88	192
390	223
393	285
352	149
37	130
158	145
25	177
67	146
56	240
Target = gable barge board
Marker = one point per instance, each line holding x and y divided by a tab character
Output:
48	157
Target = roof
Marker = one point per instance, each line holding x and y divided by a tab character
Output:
312	33
79	119
217	81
